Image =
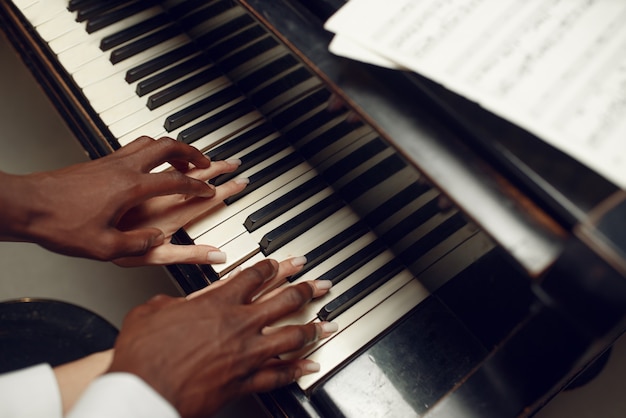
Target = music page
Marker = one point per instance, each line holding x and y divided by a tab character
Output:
557	68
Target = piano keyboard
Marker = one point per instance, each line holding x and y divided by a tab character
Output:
321	185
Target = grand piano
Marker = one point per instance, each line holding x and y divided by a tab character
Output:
478	271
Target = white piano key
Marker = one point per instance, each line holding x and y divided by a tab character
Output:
351	337
44	11
309	312
101	67
440	250
284	99
218	136
22	4
130	106
76	43
256	62
464	255
227	222
61	24
248	243
139	115
384	190
232	217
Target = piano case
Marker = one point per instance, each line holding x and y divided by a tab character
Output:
507	331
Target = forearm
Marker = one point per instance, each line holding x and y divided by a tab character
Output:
73	378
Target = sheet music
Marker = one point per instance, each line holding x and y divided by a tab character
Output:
555	67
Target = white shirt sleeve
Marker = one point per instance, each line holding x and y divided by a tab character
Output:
121	395
31	392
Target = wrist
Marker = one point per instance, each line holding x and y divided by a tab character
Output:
17	208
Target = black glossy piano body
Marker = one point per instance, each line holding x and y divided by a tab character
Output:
508	331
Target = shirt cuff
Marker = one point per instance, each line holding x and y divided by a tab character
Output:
30	392
121	395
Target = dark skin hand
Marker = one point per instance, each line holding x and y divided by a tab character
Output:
114	208
199	353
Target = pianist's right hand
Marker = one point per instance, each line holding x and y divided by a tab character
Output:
224	349
115	208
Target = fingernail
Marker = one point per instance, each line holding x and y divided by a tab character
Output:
242	180
216	257
311	367
323	284
329	327
298	261
234	161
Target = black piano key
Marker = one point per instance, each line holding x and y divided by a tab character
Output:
264	176
226	46
281	205
408	224
248	53
371	177
140	45
74	5
354	159
326	138
88	11
433	238
155	64
202	15
280	86
241	142
200	108
266	72
310	124
212	123
397	202
253	158
354	262
168	94
330	247
364	287
171	74
116	15
186	7
299	108
148	25
220	33
299	224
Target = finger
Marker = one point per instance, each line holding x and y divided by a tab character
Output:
134	146
323	329
169	150
241	288
286	269
117	244
216	168
320	288
166	254
278	374
173	182
289	300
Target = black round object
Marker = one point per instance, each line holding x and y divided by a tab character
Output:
34	331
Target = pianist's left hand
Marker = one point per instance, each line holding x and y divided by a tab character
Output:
115	208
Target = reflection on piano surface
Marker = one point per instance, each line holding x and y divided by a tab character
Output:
438	304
